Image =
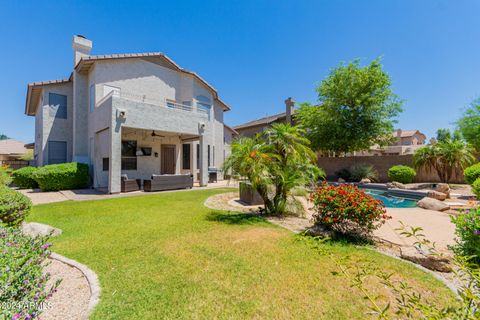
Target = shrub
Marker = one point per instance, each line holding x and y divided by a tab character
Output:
476	188
472	173
467	229
344	174
14	206
64	176
403	174
24	284
363	171
5	177
347	209
23	178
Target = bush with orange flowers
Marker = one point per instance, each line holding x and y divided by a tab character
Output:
347	210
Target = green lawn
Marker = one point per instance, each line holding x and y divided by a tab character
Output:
168	256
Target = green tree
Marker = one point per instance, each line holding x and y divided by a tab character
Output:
444	135
444	157
357	109
274	162
469	124
3	136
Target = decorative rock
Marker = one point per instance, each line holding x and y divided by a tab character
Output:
437	195
433	204
340	180
397	185
444	188
34	229
432	262
365	180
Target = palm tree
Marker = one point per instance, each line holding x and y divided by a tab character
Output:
274	162
445	157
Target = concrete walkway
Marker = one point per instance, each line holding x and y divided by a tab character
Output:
436	226
38	197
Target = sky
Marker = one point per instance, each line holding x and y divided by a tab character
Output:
255	53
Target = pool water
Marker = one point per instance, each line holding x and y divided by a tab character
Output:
390	201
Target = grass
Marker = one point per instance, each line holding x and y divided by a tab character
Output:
167	256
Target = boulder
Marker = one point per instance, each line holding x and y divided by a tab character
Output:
436	195
34	229
432	262
365	180
340	180
433	204
396	184
443	188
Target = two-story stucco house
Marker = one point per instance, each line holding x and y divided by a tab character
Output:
135	114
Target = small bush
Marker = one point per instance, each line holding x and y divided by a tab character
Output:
344	173
467	229
476	188
363	171
5	176
22	279
347	209
472	173
64	176
14	207
403	174
23	178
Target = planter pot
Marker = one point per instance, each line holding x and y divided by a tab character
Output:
249	195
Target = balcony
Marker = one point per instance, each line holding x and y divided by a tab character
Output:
165	103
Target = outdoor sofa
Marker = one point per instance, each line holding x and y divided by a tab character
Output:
168	182
129	185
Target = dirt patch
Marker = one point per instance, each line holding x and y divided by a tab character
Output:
72	296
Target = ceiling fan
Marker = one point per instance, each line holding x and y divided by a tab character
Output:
156	135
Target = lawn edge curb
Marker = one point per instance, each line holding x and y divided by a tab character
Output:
91	277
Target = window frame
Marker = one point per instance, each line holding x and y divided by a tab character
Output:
129	161
57	160
54	109
186	156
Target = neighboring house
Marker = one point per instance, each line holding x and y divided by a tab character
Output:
251	128
135	114
228	135
405	142
11	149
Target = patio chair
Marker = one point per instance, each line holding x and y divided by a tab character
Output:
129	185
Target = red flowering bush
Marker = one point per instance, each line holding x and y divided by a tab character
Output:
347	209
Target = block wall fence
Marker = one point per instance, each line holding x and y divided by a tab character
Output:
381	164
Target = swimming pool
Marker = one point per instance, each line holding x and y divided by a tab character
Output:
390	201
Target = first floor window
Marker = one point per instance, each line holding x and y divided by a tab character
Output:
208	153
105	164
186	156
129	155
57	152
198	156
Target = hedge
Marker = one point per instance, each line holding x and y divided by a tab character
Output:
64	176
23	178
401	173
472	173
476	188
14	207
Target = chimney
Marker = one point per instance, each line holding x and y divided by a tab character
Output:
81	48
399	133
289	110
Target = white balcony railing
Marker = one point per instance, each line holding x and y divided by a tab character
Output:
157	102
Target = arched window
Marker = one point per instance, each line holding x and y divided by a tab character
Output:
204	104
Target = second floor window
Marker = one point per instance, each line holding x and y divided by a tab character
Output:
57	105
204	105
